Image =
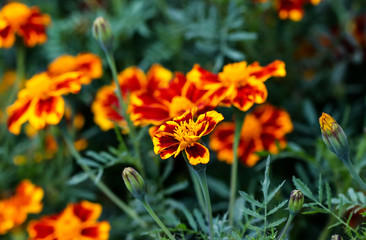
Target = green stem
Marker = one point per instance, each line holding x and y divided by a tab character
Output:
351	169
132	130
201	176
197	189
239	119
122	143
157	220
123	206
289	220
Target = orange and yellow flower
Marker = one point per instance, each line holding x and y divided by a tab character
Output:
87	63
264	129
166	103
27	22
77	221
238	84
41	102
184	133
132	80
14	210
293	9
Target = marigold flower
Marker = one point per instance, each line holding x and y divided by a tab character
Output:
293	9
77	221
183	133
132	80
14	210
238	84
262	129
40	102
29	23
168	102
87	63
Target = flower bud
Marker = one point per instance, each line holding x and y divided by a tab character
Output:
134	182
333	136
336	237
103	33
296	201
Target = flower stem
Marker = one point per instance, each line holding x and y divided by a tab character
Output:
197	189
201	176
289	220
131	127
157	220
354	174
239	119
123	206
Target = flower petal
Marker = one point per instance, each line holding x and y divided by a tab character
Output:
253	92
197	153
209	120
87	211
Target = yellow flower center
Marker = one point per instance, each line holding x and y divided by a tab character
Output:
68	226
186	133
234	74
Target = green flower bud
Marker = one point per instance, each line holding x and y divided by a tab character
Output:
333	136
134	182
103	33
336	237
296	201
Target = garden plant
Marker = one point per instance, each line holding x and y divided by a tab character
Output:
204	119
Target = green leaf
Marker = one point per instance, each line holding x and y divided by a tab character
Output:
177	187
276	223
273	193
303	188
199	218
241	36
78	178
334	225
275	209
252	213
329	195
266	182
89	162
352	194
250	199
218	187
96	156
320	189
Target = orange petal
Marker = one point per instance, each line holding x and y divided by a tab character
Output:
210	120
18	114
253	92
197	153
87	211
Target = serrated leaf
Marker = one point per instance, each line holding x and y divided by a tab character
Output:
303	188
233	54
334	225
96	156
276	223
252	213
266	182
251	199
352	194
315	210
99	175
273	193
254	228
77	178
275	209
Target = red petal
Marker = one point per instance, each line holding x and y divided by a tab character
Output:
197	153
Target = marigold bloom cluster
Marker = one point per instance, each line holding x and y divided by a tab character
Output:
293	9
40	102
184	133
26	22
77	221
264	129
14	210
239	84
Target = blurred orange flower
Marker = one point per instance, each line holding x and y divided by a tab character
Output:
238	84
292	9
40	102
14	210
264	129
184	133
132	81
27	22
87	63
166	103
77	221
7	81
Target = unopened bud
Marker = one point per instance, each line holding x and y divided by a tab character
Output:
296	201
134	182
103	33
334	136
336	237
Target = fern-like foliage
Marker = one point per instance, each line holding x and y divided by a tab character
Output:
257	213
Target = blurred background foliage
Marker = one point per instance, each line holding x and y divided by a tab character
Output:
325	63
